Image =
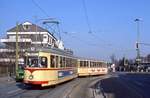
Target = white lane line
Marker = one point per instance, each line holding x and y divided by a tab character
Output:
139	83
13	91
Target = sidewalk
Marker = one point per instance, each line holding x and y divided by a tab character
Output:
7	79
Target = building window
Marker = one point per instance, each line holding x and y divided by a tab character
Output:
26	27
45	36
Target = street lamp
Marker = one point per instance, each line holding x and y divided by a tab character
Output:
138	41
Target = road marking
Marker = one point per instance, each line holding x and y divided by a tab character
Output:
13	91
138	83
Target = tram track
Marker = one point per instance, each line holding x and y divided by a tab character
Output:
14	95
34	93
30	92
79	89
68	93
3	85
61	90
64	90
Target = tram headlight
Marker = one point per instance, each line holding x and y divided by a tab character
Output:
31	77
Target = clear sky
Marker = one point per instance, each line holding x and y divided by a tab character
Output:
112	23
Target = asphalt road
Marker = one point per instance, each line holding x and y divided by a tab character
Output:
76	88
116	85
126	85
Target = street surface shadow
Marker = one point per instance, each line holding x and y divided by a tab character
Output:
32	87
39	87
114	88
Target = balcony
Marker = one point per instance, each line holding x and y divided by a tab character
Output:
26	40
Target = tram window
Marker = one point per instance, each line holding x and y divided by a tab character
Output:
100	64
25	61
57	63
67	62
32	61
43	62
97	64
52	61
61	60
64	62
71	62
84	63
93	64
81	64
90	64
74	63
87	64
29	62
104	65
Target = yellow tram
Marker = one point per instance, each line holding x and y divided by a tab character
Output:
49	66
87	67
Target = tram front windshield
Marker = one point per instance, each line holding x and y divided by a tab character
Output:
36	61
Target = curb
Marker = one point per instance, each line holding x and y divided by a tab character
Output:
95	90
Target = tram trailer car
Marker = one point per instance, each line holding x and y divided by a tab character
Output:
47	67
87	67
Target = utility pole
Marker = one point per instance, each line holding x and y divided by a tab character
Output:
138	42
17	49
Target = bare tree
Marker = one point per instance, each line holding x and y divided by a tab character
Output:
113	59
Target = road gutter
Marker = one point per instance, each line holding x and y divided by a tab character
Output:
95	90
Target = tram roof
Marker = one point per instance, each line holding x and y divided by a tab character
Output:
89	59
51	50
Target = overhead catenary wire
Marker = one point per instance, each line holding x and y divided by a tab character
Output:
86	16
146	44
78	39
90	28
89	24
54	31
46	14
90	31
85	42
38	6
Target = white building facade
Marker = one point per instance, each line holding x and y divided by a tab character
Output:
29	35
